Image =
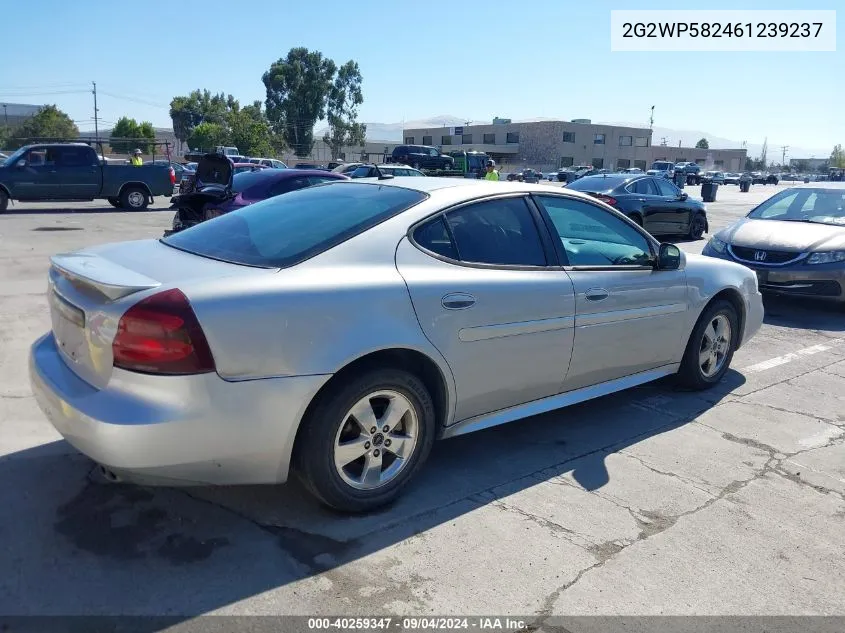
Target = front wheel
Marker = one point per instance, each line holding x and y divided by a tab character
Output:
711	347
4	201
364	440
697	227
134	199
115	202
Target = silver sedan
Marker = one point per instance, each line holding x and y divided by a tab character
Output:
337	331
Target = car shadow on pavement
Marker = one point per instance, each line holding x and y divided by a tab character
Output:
804	313
80	210
78	545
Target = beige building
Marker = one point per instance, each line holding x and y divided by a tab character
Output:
549	145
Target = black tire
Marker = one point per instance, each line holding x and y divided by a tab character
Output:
314	451
697	226
130	200
115	202
4	201
690	374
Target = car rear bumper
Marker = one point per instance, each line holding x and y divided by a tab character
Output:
174	430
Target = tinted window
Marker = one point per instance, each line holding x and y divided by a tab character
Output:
361	172
77	157
644	187
596	184
666	188
592	236
435	237
248	179
288	184
497	232
286	230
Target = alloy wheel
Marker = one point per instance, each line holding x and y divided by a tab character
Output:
715	345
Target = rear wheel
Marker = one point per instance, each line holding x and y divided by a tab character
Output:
4	201
134	199
711	347
364	440
115	202
697	227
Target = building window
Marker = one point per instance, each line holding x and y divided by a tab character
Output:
513	137
681	160
567	161
639	164
623	163
700	161
409	140
641	141
489	139
426	140
569	137
598	139
626	141
446	140
719	163
466	139
598	163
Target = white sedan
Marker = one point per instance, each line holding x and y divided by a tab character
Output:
338	330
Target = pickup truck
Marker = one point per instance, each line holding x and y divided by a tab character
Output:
74	172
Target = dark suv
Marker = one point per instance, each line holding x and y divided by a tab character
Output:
422	157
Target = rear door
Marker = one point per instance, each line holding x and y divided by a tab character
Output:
79	175
487	297
629	317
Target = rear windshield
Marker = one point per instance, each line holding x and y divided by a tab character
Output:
285	230
244	180
661	165
597	184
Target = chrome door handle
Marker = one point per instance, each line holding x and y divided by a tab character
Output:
457	301
596	294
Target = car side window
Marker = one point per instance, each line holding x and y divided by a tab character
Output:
433	152
434	236
76	157
666	188
501	232
316	180
288	184
592	236
644	187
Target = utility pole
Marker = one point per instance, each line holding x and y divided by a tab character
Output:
663	141
651	119
783	149
96	110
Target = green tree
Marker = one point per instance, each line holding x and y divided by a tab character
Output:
127	128
200	106
837	157
297	88
249	130
342	110
206	136
702	144
50	122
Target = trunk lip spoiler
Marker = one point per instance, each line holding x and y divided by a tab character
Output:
111	279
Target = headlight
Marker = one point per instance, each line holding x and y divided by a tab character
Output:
828	257
717	245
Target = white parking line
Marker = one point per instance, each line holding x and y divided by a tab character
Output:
788	358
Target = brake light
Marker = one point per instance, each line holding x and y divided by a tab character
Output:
607	199
172	176
161	335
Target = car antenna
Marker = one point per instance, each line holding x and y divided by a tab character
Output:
381	175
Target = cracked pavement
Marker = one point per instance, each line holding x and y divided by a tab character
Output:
654	501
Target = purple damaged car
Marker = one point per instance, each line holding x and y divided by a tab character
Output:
219	190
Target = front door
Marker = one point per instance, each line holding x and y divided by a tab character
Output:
487	299
651	203
629	317
37	177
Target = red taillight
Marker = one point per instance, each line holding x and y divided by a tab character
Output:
607	199
161	335
172	176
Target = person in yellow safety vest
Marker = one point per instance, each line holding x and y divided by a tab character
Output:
491	174
136	159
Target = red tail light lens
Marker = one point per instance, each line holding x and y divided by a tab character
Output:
607	199
161	335
172	176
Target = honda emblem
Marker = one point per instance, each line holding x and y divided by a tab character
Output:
760	256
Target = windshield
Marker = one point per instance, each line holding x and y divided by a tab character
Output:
819	205
8	162
661	165
285	230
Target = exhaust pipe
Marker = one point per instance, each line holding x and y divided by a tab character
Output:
109	475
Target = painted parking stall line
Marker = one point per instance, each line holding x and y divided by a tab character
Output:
788	358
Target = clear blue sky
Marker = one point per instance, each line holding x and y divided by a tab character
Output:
418	59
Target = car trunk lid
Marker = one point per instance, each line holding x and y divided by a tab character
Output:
89	290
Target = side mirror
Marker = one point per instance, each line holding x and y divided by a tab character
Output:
683	196
21	163
669	257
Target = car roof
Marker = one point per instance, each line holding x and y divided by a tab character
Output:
471	187
820	184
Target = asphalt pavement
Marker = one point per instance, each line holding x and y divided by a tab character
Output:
653	501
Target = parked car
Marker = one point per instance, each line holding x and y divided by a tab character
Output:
179	170
732	178
73	172
716	177
188	182
794	241
221	188
692	171
272	163
422	157
525	175
551	176
346	168
372	171
330	331
662	168
652	202
309	165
